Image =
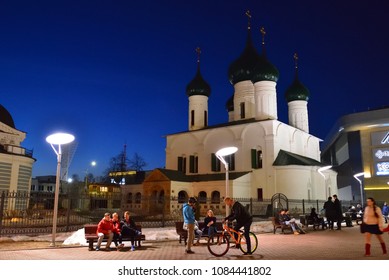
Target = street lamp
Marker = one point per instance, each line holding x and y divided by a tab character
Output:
360	183
220	154
321	170
93	163
57	139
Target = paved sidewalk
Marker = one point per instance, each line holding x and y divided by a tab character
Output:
346	244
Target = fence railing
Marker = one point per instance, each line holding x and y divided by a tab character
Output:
32	213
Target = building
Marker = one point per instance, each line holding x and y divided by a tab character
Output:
15	161
358	145
272	157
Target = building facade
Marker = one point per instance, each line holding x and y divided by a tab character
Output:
15	161
358	149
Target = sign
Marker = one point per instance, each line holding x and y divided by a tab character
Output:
382	168
380	138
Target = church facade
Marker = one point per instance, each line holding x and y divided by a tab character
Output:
272	157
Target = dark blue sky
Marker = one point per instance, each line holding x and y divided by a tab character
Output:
115	71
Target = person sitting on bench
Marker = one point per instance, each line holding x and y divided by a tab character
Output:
128	228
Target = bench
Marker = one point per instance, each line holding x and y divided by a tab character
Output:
183	233
276	224
307	221
91	236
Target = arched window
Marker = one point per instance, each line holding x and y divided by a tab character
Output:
129	198
161	197
215	197
138	198
202	197
182	197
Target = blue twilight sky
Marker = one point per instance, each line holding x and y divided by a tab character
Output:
114	72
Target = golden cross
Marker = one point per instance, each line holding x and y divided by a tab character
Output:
295	57
198	51
248	14
263	32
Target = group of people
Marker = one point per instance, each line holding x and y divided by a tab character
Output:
238	212
114	230
333	212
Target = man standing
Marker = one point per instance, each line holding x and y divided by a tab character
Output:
243	219
329	209
338	212
189	222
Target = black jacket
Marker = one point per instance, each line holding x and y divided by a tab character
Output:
239	213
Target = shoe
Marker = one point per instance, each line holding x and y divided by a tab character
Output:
97	248
296	233
132	248
120	247
189	251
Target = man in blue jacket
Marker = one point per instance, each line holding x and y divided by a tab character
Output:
189	222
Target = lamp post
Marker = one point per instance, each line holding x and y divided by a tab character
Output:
320	170
57	139
360	183
93	163
220	154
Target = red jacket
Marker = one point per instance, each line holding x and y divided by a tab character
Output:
116	227
104	226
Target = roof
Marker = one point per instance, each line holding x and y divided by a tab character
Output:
288	158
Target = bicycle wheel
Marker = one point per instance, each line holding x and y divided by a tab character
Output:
218	245
254	243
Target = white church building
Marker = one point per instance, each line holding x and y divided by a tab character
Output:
272	157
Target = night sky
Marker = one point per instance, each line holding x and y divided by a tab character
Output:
114	72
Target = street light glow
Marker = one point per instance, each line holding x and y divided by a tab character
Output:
360	183
59	138
324	168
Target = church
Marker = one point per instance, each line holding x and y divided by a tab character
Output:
272	157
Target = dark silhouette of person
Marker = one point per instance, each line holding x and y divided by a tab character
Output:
329	208
338	212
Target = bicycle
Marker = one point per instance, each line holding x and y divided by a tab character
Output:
219	244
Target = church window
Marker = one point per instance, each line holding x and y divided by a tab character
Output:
215	163
215	197
181	164
242	110
202	197
256	159
193	164
192	117
231	161
138	197
182	197
129	198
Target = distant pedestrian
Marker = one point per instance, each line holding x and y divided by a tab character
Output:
329	209
338	212
373	220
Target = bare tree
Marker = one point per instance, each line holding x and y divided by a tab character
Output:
137	162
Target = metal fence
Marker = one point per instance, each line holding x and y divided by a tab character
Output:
32	213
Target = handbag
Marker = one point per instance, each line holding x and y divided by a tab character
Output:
363	227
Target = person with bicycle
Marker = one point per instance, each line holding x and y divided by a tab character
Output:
243	219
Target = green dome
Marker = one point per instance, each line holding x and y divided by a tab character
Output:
230	104
296	91
242	69
5	117
265	70
198	86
